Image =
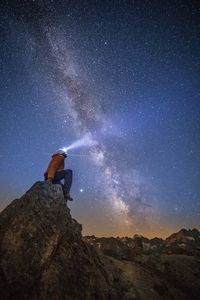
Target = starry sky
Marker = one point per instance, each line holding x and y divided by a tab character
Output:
122	76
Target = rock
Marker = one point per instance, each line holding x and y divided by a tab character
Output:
111	246
42	252
184	242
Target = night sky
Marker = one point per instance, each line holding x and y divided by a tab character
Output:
123	76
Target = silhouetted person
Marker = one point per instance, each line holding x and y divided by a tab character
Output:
55	173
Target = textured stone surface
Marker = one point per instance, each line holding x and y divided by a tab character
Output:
42	252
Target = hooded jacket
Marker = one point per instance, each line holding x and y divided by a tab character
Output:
56	164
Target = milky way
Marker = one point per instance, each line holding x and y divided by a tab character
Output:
125	198
127	202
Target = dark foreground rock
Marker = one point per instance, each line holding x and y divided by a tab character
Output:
42	252
43	256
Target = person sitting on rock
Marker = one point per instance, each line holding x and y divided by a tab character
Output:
55	173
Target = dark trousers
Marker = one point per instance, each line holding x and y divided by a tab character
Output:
67	176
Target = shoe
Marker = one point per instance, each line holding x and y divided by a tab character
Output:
67	196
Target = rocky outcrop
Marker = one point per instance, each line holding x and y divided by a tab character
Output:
42	252
184	241
114	247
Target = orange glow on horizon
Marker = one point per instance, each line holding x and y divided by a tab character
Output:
164	233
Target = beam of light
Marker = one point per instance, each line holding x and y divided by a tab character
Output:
86	141
78	155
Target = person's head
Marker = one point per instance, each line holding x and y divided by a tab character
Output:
61	152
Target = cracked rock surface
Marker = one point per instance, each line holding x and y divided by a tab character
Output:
42	252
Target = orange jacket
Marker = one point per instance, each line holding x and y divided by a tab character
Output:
56	164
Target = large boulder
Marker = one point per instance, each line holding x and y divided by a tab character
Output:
42	254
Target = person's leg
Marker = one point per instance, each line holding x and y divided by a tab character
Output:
67	176
67	180
59	175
